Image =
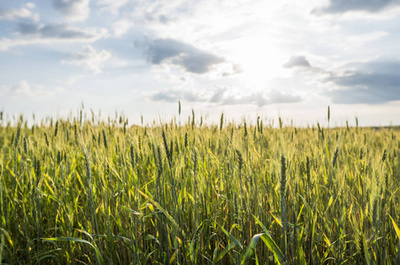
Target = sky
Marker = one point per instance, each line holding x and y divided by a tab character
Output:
289	59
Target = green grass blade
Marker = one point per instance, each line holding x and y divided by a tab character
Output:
396	228
270	242
162	210
223	252
99	258
193	250
300	250
250	248
8	237
39	260
365	250
231	237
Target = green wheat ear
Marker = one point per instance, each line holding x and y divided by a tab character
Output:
132	153
18	136
329	113
105	139
46	139
25	146
335	156
221	123
56	130
193	119
283	202
186	140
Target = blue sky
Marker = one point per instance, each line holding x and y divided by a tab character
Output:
243	58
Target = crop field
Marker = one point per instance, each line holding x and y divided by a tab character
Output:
83	190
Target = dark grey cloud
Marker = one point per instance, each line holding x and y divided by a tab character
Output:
297	61
221	97
371	83
342	6
76	10
178	53
58	31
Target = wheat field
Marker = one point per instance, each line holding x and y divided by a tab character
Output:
86	191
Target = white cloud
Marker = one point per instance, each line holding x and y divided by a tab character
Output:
19	13
29	34
111	6
73	10
197	21
121	27
30	5
74	78
88	57
363	39
24	89
21	89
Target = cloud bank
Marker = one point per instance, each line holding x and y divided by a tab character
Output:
342	6
371	83
221	96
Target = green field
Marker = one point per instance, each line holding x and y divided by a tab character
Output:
85	191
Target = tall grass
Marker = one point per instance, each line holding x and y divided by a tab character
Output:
87	191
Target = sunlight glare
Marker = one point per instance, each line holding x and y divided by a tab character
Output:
260	59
